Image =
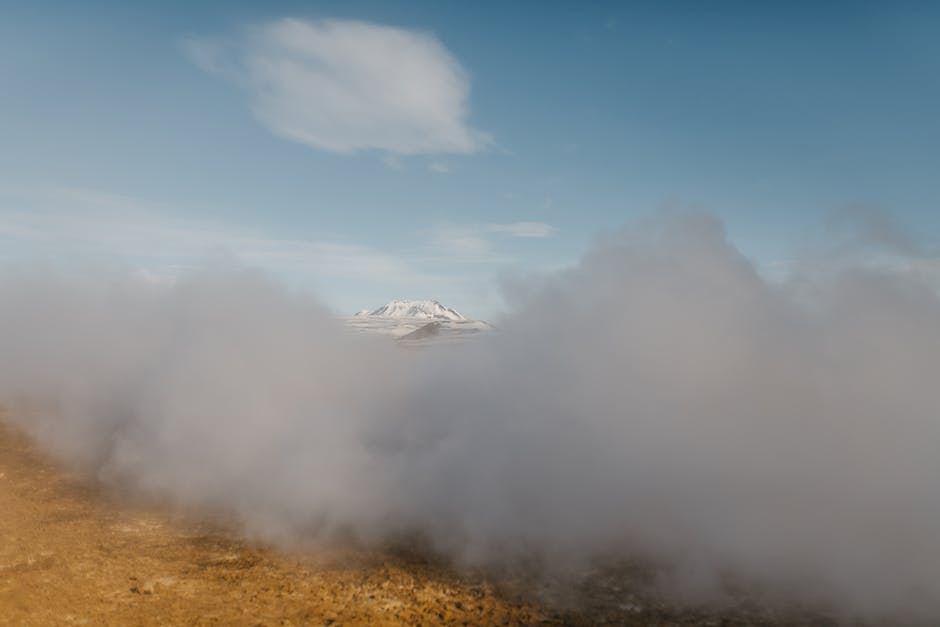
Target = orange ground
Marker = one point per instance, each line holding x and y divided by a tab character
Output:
69	554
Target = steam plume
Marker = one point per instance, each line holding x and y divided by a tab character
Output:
659	399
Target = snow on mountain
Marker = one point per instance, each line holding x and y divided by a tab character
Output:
417	323
423	309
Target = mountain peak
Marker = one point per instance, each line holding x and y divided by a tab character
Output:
424	309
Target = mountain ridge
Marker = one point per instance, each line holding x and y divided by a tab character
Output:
414	309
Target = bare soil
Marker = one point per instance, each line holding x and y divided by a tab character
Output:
70	553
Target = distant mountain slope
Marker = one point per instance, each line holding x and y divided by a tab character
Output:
431	329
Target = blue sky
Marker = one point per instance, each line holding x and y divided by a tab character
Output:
370	151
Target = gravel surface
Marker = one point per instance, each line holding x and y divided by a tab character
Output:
70	553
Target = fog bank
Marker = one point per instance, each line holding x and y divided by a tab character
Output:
659	400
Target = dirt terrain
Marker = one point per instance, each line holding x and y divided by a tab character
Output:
71	554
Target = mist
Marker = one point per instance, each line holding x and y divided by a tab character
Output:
660	400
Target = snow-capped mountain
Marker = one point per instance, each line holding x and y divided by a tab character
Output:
417	322
422	309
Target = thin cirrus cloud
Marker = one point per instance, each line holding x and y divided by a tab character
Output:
474	242
348	86
121	227
522	229
159	242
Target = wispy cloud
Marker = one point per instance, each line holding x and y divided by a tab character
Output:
160	242
348	86
463	243
475	242
522	229
89	221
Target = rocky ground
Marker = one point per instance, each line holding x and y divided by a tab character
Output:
71	554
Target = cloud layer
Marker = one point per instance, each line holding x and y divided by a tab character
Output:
66	224
659	400
348	86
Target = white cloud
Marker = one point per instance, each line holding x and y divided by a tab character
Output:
474	242
159	242
89	221
461	243
347	86
522	229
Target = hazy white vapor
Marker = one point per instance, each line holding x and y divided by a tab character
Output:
659	400
347	86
